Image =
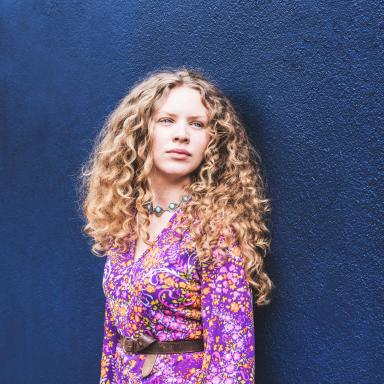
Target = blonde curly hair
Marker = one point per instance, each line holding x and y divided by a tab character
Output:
228	192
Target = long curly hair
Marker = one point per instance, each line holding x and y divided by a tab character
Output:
228	191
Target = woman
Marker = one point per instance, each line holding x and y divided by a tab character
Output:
173	195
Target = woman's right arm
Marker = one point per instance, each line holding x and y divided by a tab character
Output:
108	373
108	357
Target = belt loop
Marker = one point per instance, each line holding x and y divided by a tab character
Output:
148	364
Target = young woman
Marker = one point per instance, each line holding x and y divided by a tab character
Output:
173	195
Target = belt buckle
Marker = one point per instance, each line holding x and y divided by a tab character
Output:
129	345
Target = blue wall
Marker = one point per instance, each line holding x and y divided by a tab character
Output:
308	79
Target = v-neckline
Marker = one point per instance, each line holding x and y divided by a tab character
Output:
166	226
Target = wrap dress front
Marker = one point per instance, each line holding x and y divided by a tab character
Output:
165	293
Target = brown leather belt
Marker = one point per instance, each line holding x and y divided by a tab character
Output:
148	345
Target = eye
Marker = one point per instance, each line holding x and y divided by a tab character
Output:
201	124
164	120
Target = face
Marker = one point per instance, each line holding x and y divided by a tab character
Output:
180	124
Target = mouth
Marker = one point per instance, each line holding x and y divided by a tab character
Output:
180	152
179	155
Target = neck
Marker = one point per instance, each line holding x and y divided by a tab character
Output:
165	191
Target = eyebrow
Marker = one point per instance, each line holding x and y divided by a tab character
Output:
172	114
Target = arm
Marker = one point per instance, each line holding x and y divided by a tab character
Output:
228	326
110	339
108	357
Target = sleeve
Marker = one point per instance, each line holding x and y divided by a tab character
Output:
227	320
108	357
110	339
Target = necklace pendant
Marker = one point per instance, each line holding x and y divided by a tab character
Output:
173	206
149	207
158	211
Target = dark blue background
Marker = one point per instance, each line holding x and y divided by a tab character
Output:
308	79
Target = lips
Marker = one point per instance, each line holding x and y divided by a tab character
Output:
180	151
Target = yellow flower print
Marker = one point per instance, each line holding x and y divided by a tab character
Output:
205	291
169	281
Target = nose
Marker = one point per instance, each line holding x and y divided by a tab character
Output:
181	132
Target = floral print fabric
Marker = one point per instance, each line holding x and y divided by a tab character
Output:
168	295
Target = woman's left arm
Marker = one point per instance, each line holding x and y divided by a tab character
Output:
228	325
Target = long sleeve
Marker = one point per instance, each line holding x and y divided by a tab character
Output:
227	319
108	357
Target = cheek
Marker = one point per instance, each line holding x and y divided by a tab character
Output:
158	144
203	144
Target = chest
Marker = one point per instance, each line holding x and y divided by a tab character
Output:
167	277
156	229
139	248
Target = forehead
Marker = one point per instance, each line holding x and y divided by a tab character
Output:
183	101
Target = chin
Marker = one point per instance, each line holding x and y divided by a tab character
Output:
173	173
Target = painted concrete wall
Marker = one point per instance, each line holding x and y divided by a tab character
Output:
308	79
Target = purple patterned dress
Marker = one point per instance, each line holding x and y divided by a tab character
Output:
168	296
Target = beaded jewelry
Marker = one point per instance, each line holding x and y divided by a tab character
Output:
158	210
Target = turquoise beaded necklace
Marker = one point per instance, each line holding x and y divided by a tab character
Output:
158	210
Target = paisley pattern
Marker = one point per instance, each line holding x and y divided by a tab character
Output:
167	294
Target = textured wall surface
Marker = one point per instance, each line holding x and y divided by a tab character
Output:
308	79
